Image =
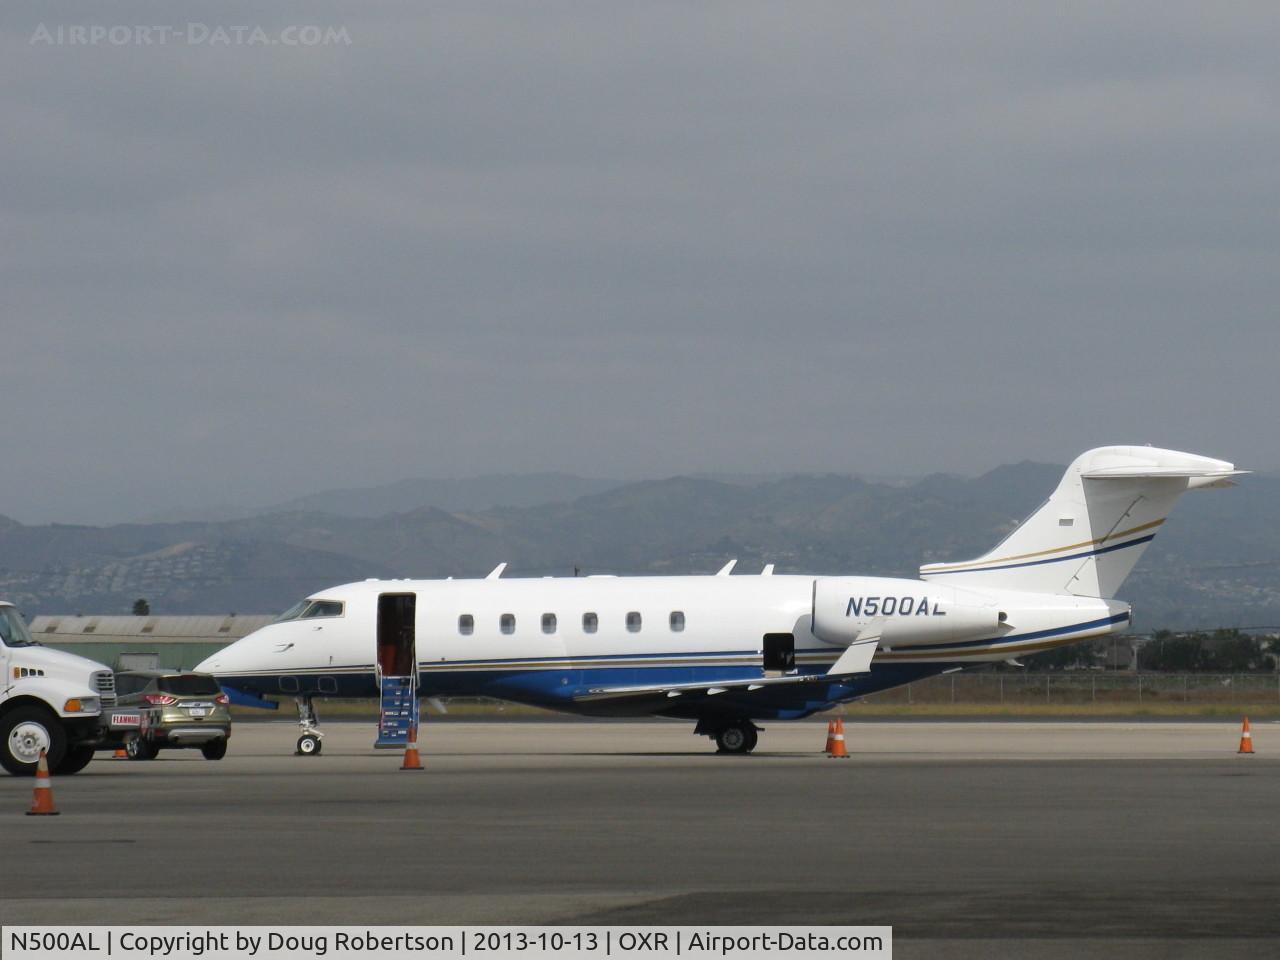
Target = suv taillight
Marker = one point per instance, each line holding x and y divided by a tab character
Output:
222	698
160	699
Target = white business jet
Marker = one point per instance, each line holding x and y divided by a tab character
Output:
724	651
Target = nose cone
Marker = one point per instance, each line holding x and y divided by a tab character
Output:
242	655
224	661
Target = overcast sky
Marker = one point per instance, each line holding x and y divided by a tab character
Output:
628	240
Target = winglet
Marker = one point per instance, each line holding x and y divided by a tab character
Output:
857	656
767	571
496	572
727	568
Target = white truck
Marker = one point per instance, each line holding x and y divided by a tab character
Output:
52	701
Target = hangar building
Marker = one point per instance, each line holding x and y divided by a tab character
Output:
124	643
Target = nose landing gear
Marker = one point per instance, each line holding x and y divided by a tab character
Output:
309	744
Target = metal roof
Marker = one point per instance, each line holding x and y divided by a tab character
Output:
222	629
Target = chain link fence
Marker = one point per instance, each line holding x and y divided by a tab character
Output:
1086	686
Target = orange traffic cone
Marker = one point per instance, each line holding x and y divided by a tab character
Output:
1246	738
831	737
837	741
42	798
411	759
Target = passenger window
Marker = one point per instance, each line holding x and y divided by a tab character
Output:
677	621
508	623
633	622
548	623
590	623
466	624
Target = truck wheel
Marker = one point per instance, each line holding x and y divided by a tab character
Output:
75	760
214	749
24	732
139	749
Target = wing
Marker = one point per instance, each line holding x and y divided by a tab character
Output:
855	659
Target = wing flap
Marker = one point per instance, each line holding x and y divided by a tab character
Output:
707	687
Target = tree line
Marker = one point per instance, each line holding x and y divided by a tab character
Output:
1212	651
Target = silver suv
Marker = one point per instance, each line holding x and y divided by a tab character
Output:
178	710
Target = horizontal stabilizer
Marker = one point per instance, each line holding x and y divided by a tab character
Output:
1154	472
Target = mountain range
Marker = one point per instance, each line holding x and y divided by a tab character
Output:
1216	563
472	493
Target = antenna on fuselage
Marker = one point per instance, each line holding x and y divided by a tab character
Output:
496	572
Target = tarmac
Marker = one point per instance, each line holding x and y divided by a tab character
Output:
971	839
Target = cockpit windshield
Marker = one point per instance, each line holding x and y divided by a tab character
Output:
13	630
322	608
293	613
311	609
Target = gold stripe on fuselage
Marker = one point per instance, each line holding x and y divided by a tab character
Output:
946	567
983	651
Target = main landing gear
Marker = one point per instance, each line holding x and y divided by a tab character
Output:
731	736
309	743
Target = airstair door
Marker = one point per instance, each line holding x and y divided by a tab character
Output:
397	669
779	653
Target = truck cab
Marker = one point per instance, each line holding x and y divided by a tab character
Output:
50	701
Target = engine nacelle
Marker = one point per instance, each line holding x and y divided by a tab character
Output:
911	613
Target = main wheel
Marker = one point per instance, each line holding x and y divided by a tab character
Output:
214	749
139	749
738	738
75	760
26	731
309	745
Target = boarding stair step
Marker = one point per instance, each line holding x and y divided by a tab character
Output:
398	713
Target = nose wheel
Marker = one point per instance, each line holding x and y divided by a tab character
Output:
309	744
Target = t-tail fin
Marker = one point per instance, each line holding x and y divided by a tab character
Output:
1087	537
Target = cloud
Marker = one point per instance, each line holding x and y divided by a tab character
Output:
631	241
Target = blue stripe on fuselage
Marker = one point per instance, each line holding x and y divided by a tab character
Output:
1024	637
557	681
